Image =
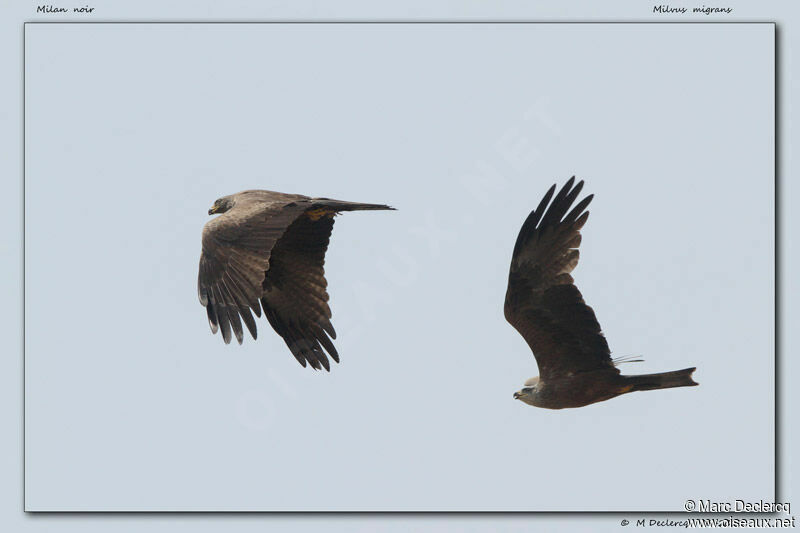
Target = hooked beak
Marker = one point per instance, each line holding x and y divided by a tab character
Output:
517	395
213	210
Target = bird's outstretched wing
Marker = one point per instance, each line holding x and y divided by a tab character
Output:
542	303
236	252
295	298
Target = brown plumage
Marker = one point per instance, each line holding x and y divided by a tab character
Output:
267	250
544	305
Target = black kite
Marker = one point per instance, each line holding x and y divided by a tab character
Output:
544	305
267	250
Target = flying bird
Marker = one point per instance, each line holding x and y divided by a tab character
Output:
266	251
547	309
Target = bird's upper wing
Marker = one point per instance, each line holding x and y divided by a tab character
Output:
295	298
235	257
541	301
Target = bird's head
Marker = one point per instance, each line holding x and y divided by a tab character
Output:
525	394
528	391
221	205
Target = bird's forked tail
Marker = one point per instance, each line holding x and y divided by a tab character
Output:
664	380
339	205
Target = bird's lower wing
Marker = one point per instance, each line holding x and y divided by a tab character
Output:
295	297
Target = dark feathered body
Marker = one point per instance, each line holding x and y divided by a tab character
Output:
266	251
585	388
548	310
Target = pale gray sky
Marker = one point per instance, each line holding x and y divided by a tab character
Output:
133	130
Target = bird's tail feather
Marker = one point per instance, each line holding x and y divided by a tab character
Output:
627	359
339	205
664	380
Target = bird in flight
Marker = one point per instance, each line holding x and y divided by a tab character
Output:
547	309
266	251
